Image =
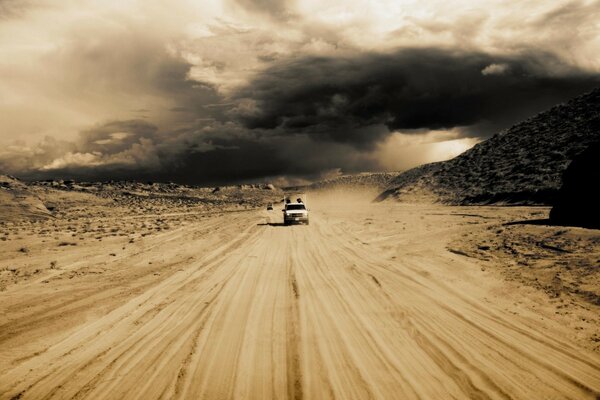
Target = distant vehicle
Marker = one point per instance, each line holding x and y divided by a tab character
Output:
295	213
270	207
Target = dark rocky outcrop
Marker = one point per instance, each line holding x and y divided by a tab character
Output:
578	200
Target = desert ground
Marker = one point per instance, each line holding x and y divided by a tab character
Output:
387	300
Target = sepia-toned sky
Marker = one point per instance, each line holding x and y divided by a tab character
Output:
215	92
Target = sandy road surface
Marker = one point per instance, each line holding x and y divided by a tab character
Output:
363	303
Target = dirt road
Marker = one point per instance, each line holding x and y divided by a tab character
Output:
366	302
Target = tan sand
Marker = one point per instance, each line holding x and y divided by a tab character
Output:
366	302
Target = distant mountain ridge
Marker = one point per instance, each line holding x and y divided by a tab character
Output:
520	165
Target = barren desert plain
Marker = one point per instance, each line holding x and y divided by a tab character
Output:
299	199
152	299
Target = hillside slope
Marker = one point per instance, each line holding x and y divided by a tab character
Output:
520	165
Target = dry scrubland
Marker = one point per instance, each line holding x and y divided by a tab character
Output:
129	292
41	219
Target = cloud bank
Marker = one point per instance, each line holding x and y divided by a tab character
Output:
235	91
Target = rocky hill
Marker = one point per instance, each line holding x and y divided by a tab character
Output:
521	165
18	202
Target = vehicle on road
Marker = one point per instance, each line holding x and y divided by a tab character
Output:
270	207
295	213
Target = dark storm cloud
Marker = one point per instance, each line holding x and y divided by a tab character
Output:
295	119
251	160
272	8
213	155
194	140
347	99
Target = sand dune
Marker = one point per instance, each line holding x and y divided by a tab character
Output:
366	302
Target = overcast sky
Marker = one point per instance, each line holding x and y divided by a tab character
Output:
214	92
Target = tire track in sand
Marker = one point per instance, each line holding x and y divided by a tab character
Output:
306	312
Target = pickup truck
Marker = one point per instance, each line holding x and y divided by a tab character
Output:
295	213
